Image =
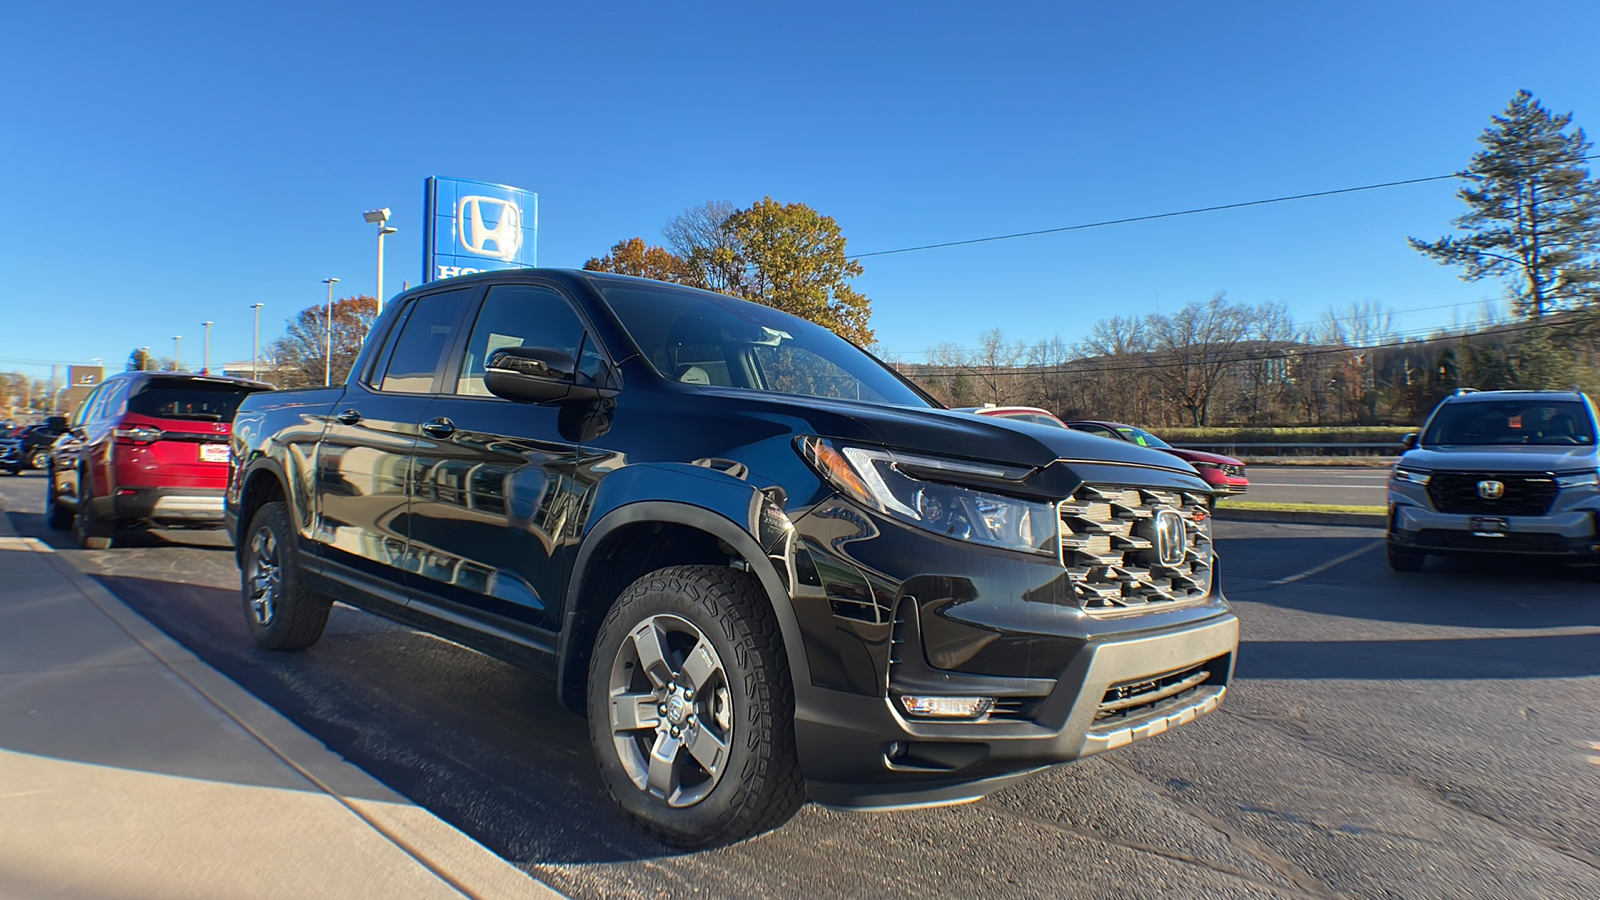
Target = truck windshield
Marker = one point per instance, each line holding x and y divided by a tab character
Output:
1553	422
695	337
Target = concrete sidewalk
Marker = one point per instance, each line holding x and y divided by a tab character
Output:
131	769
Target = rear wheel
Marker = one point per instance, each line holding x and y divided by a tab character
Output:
691	710
55	515
281	612
40	459
1404	559
92	532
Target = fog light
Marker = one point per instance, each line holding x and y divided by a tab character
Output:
947	707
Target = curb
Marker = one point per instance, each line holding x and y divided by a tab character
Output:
444	850
1377	520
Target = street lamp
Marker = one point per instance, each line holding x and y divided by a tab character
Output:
205	368
255	345
378	217
177	353
144	358
327	366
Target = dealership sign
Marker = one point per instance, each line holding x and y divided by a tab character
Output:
473	226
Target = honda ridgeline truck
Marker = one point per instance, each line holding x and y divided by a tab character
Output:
763	565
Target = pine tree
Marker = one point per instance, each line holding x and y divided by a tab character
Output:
1535	212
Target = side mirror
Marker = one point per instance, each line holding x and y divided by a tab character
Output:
538	375
1409	441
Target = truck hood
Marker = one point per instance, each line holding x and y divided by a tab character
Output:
1063	458
1502	458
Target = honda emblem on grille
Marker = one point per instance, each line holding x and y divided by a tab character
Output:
1172	538
1491	490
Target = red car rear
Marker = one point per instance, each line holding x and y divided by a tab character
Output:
146	448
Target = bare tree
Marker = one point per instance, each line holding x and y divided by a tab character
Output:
703	238
1194	348
299	358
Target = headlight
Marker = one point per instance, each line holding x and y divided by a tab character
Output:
902	486
1414	476
1577	479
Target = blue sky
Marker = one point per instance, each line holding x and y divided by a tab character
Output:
167	164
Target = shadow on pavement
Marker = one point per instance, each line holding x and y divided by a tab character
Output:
1528	656
481	743
33	524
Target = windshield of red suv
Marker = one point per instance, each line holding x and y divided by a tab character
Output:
1553	422
204	401
701	338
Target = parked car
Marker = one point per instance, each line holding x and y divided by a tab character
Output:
764	565
1507	472
1224	474
1019	413
12	460
145	448
38	439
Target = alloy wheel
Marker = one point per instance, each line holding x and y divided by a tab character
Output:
266	576
671	710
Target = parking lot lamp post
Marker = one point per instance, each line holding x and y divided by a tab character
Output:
379	217
144	358
177	353
327	364
205	366
255	345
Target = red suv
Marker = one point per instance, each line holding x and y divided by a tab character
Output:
146	448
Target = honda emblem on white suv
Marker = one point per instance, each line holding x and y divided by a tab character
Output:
1491	490
1172	538
476	237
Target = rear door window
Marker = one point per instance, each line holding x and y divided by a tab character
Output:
425	340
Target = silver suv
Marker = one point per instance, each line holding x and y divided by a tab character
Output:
1513	472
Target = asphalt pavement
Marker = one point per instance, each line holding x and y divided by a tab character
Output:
1428	735
1318	484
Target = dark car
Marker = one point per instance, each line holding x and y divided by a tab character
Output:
1225	474
38	439
761	563
1499	472
145	448
12	459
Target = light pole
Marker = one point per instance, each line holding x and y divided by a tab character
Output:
255	345
327	365
378	218
205	367
144	359
177	353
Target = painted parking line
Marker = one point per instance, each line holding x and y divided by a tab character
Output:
1327	565
1298	484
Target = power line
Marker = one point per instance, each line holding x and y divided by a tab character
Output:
1176	213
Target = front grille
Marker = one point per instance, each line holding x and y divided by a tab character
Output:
1133	697
1111	546
1524	494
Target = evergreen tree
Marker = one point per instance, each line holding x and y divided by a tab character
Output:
1535	212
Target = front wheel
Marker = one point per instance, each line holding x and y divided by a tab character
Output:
691	710
40	459
1404	559
280	611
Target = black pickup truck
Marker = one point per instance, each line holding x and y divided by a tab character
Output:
761	563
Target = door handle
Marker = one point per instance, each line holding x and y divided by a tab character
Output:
349	417
438	428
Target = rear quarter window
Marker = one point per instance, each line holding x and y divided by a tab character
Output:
194	401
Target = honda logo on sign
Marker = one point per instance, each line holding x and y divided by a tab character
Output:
476	237
1491	490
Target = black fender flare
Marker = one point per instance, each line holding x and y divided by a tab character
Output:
713	523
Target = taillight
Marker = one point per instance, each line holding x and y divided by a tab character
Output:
138	435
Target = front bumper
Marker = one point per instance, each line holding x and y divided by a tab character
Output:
862	752
1569	530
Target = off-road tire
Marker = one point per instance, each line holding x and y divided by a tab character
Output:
761	786
298	614
1404	559
91	532
56	516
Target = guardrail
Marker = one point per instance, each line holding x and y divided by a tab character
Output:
1251	448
